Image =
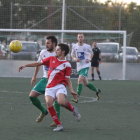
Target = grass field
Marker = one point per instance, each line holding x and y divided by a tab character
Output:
116	116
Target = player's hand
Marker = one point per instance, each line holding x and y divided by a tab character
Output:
20	68
87	60
99	60
77	60
33	80
75	95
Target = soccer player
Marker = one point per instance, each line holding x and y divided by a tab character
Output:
58	77
39	88
82	54
96	59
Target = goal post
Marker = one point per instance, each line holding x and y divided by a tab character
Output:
46	32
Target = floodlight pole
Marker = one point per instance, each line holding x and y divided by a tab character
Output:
63	20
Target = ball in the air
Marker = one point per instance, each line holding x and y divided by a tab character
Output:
15	46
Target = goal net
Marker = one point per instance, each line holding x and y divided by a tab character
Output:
33	42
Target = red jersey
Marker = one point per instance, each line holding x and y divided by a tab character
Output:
59	71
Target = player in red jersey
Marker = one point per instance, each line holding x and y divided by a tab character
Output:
58	77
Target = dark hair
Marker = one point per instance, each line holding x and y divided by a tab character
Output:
53	39
64	47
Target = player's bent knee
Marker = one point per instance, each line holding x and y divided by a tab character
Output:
34	94
32	99
80	81
61	103
85	84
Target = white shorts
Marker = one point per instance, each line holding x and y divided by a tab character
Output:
54	91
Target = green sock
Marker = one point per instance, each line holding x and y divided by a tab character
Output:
92	87
57	109
79	89
36	102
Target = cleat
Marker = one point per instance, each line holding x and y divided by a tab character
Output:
40	118
98	94
100	78
74	100
53	124
76	114
92	79
58	128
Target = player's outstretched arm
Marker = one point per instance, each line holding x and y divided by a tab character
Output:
30	65
71	89
35	74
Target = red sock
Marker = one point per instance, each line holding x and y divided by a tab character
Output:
54	115
69	107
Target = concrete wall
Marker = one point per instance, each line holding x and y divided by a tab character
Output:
109	71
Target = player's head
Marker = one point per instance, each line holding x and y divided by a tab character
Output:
94	44
80	37
62	50
51	43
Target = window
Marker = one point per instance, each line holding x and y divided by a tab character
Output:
108	48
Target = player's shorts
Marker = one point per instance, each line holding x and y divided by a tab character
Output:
95	63
54	91
84	72
40	86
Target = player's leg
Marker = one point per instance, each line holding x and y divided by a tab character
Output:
39	89
57	109
61	95
36	102
92	87
59	92
49	101
79	87
84	80
50	96
89	85
67	105
92	73
82	74
97	69
92	70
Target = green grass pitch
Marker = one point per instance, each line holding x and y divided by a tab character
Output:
116	116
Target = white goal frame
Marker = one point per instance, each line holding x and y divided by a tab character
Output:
78	31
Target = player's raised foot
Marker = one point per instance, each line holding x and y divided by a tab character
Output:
76	114
74	100
100	78
58	128
53	124
40	118
98	94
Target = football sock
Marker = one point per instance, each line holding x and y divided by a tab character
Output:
36	102
98	73
54	115
92	87
57	109
79	89
69	107
92	75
